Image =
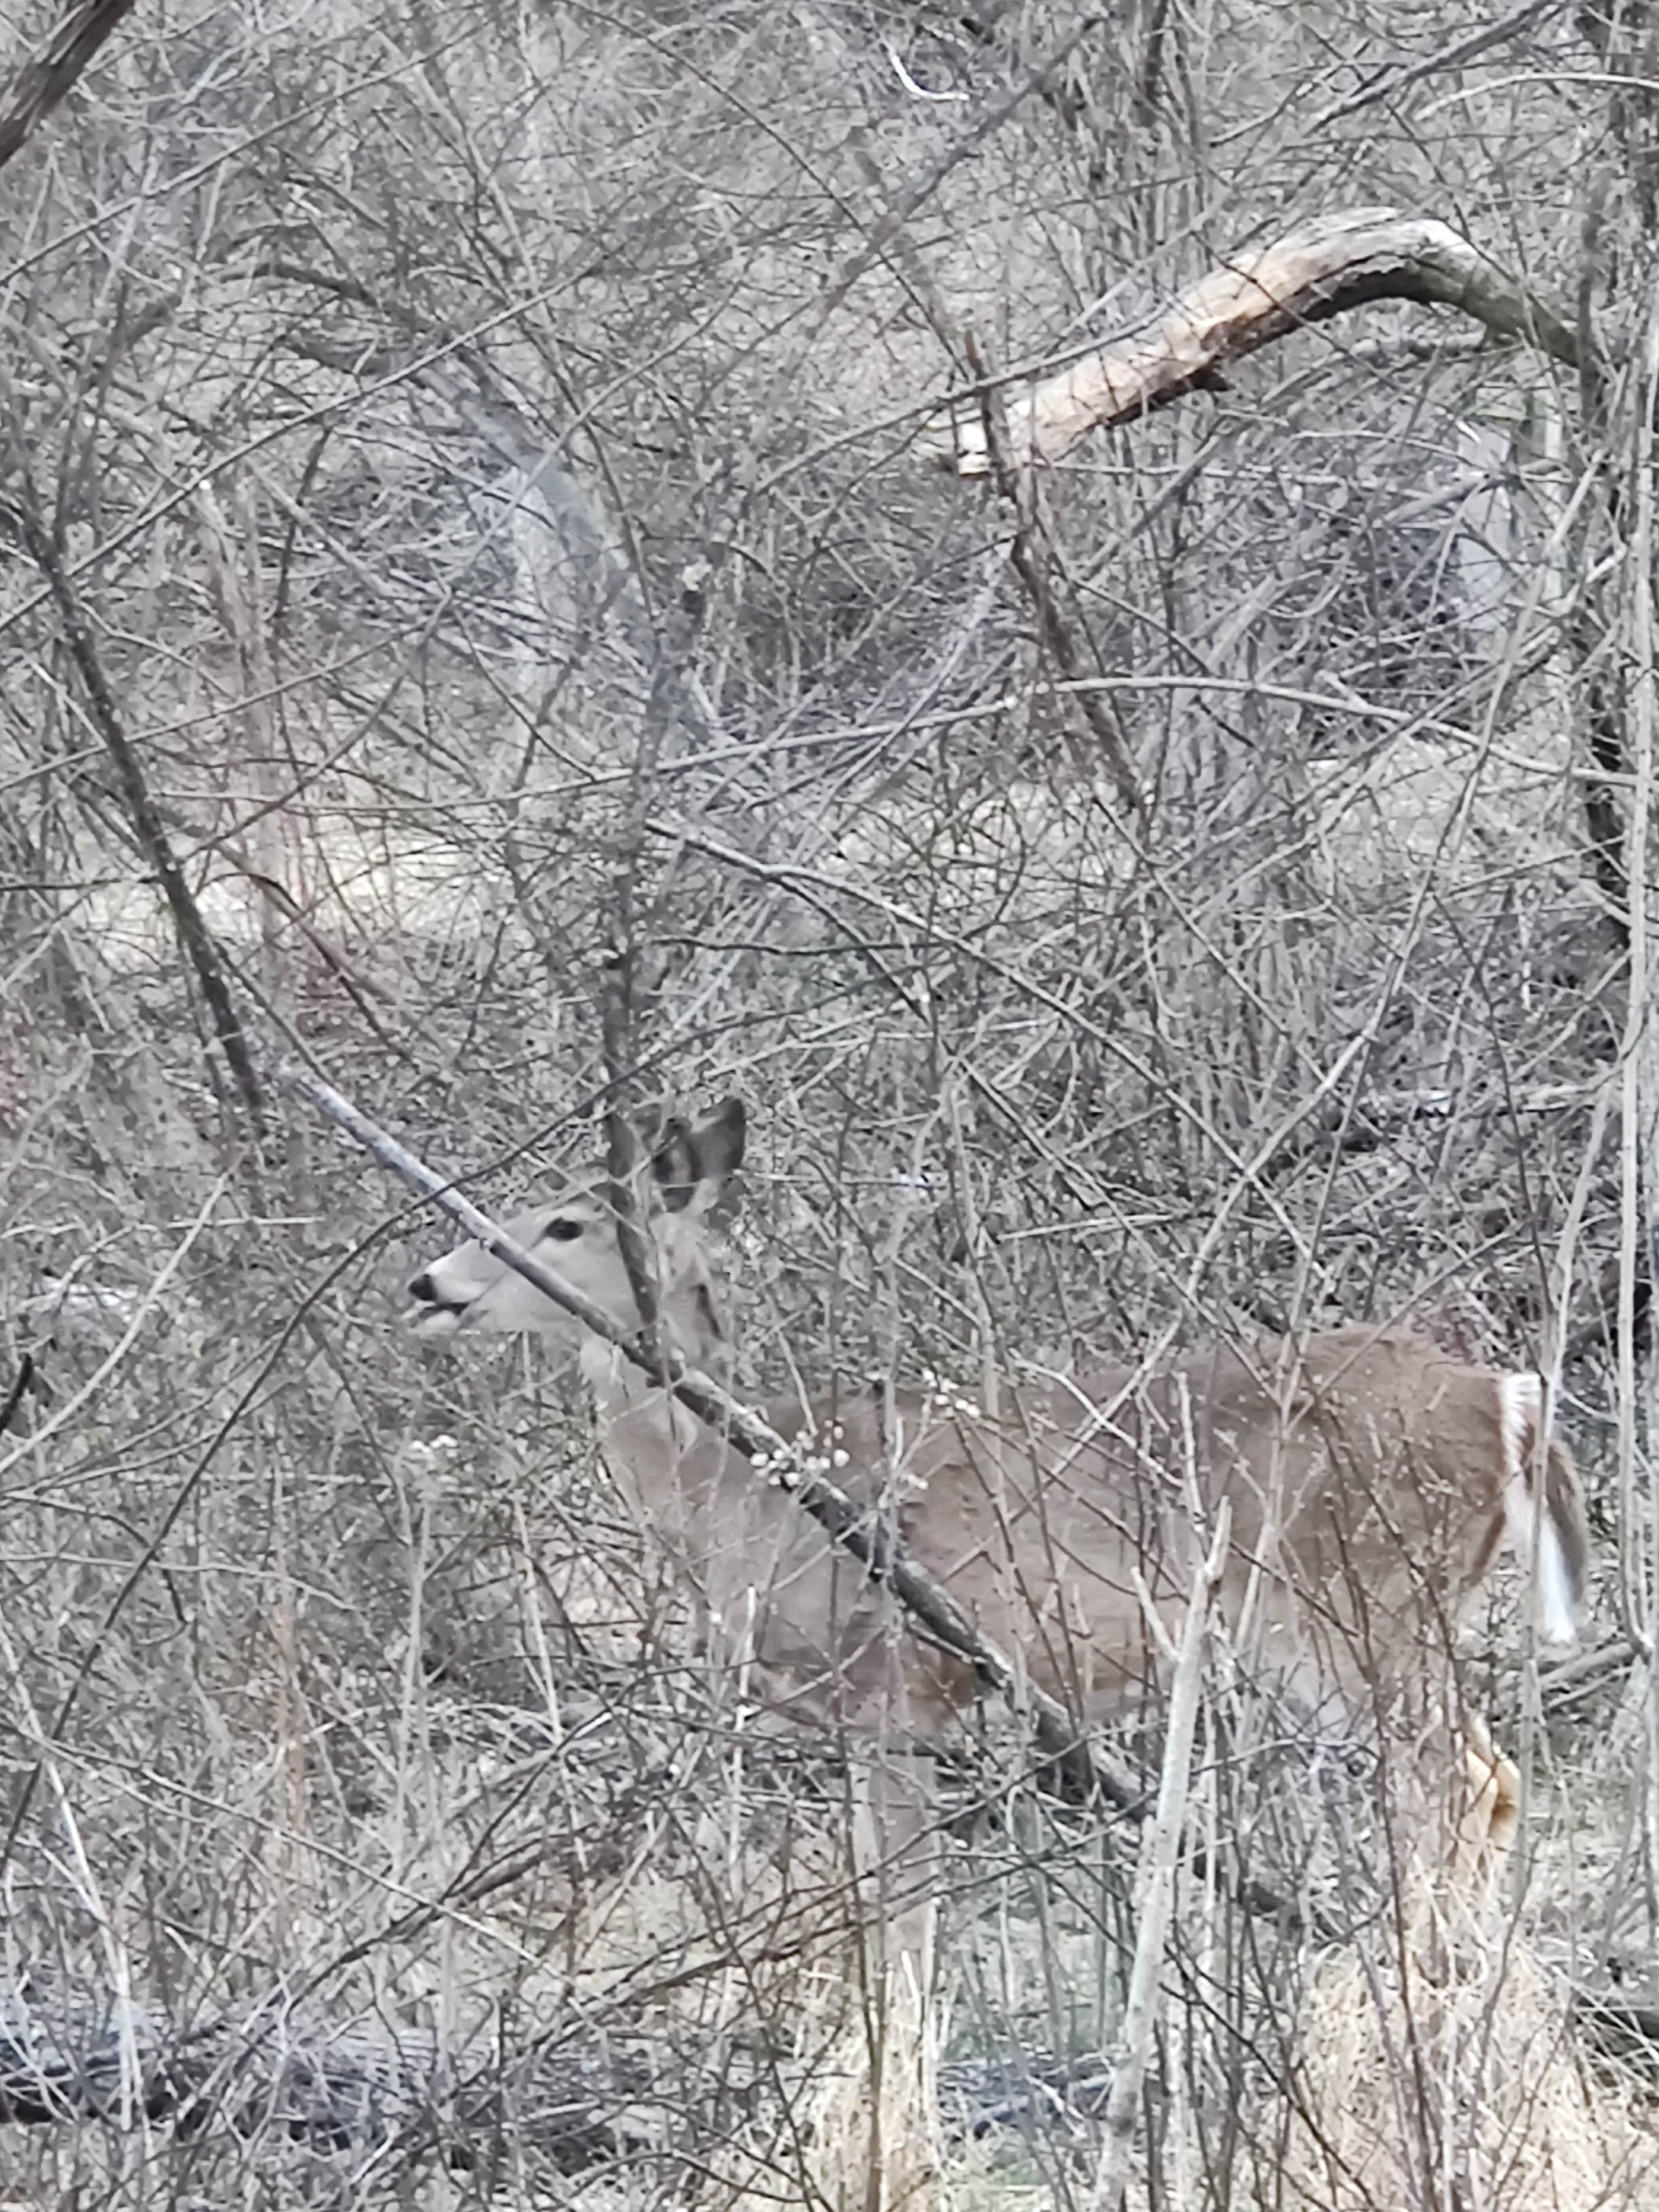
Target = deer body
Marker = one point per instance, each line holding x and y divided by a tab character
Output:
1368	1480
1370	1477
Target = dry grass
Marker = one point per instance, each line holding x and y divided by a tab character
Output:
868	2120
1469	2092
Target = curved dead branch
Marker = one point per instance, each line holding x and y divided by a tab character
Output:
1320	270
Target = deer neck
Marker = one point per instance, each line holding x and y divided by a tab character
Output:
689	1327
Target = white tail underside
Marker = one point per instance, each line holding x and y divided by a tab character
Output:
1533	1537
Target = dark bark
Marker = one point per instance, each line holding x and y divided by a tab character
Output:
47	80
196	939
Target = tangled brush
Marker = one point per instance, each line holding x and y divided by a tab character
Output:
1455	2092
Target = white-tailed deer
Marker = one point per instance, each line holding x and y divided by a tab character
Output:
1370	1477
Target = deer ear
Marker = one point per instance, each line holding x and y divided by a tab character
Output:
718	1143
692	1167
674	1165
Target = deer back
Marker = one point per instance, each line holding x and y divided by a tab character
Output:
1363	1470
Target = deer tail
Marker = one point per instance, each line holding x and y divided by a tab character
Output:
1544	1507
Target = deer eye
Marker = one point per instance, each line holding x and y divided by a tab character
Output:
562	1231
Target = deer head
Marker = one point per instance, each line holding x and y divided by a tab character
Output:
682	1174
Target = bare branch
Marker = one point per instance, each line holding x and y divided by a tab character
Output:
1439	62
19	1389
1035	559
194	936
615	990
51	78
1155	1889
1321	269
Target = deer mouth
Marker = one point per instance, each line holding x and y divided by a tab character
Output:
429	1314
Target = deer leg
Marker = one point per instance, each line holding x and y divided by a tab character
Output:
1461	1803
880	2134
896	1859
1486	1828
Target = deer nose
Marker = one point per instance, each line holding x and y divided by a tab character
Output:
422	1292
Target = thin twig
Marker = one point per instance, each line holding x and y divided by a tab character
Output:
194	936
621	1139
1156	1882
619	976
1035	562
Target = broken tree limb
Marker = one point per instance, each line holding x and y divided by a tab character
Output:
65	2055
570	2102
69	2056
1320	270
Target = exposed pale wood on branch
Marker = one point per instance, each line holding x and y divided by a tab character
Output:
1320	270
